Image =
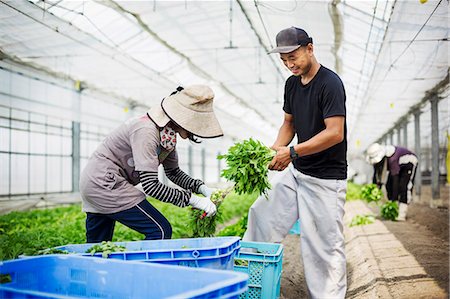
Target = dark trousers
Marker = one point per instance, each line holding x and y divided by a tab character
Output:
400	188
143	218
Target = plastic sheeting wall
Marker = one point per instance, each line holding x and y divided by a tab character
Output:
36	115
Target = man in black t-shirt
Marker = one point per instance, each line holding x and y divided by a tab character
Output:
313	188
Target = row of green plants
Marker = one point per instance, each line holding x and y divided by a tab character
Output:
373	196
33	231
29	232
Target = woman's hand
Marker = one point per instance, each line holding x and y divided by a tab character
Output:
204	204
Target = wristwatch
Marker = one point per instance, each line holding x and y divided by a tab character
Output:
293	153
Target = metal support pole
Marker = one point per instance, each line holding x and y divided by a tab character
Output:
203	164
417	150
391	137
75	156
219	168
435	192
76	133
190	166
399	136
405	134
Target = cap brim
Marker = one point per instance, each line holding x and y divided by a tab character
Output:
284	50
203	124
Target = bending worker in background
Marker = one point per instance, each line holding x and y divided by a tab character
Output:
313	188
131	155
395	167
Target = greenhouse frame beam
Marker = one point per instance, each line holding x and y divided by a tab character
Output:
121	10
76	150
417	149
430	94
405	134
435	192
247	17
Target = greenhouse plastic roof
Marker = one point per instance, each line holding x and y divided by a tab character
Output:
388	53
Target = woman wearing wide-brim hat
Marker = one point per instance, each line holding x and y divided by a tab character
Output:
131	155
395	167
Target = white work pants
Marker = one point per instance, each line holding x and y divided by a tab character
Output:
319	204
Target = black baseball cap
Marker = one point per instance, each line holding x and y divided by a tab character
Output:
290	39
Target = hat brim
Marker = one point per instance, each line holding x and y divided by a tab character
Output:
200	123
285	49
376	159
158	116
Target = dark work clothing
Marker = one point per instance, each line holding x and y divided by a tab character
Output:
143	218
402	167
310	104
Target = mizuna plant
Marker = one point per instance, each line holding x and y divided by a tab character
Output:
247	166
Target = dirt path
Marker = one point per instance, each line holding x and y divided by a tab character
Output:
425	238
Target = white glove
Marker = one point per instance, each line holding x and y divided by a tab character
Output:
204	204
206	191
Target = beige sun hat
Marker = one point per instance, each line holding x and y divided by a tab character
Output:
375	153
192	109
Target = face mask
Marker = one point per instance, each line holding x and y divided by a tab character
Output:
168	138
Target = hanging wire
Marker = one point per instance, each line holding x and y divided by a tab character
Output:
230	19
274	8
81	13
407	47
367	46
415	36
263	24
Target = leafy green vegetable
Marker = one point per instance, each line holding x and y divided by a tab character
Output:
389	210
202	226
247	166
371	193
5	278
353	191
105	247
237	229
52	251
240	262
362	220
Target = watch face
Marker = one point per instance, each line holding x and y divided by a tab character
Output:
293	154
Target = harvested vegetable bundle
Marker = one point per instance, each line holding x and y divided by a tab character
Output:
52	251
389	210
248	163
206	226
106	247
371	193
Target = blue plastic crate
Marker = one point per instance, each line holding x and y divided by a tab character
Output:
263	265
295	230
70	276
213	253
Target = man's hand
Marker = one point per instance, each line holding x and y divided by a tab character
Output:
204	204
281	159
206	191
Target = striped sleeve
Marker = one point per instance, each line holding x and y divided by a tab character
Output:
183	180
154	188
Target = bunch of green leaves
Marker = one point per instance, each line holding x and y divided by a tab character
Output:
105	247
389	210
52	251
353	191
371	193
362	220
247	166
202	226
237	229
